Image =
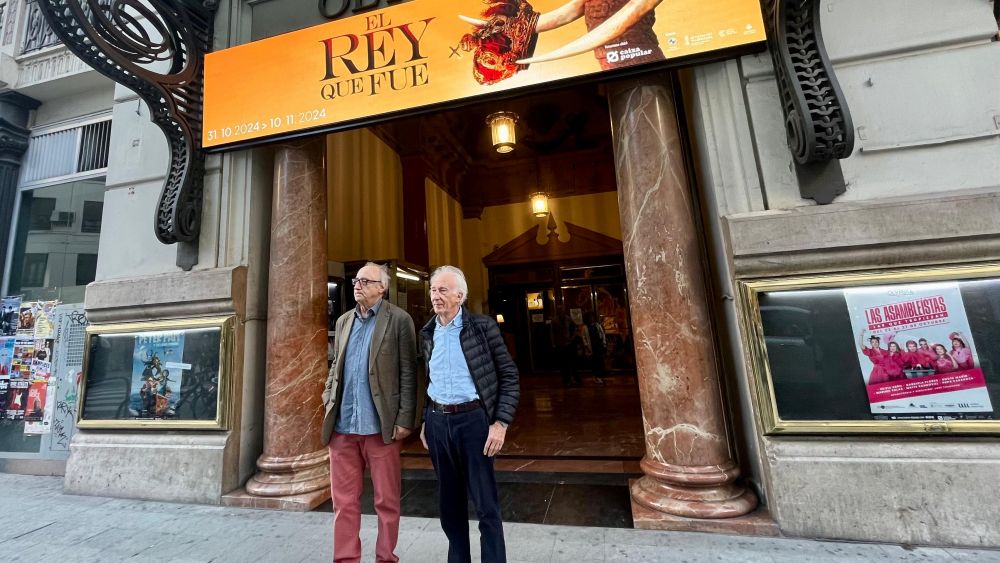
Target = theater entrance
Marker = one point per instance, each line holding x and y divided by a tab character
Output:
536	230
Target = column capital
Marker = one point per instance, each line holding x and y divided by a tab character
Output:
14	108
18	100
13	142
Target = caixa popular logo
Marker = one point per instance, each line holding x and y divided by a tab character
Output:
333	9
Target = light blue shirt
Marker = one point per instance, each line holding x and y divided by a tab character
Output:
451	382
357	409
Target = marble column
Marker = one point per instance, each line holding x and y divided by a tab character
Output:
294	463
688	466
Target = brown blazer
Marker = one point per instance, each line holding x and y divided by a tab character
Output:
392	371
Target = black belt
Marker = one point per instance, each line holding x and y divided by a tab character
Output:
450	409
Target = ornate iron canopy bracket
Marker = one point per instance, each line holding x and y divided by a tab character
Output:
817	120
155	48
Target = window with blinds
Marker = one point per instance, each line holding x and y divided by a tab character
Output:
64	154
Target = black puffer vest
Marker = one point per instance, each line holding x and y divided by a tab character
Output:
493	370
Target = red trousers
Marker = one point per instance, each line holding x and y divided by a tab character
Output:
349	454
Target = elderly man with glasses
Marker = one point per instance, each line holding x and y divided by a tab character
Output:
370	400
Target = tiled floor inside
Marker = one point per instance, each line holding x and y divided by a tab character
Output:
594	421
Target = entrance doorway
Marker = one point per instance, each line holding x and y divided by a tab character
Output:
424	192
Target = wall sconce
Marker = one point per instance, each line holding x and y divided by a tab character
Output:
502	129
540	204
500	318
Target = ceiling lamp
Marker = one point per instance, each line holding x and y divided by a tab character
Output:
502	128
540	204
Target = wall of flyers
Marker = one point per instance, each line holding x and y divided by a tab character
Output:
27	338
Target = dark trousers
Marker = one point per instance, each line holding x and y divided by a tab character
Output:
456	444
567	364
597	364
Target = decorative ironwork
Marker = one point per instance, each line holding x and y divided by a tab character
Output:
130	41
817	119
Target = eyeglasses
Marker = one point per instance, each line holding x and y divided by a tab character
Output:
363	282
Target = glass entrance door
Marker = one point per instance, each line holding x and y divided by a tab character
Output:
613	314
609	301
539	306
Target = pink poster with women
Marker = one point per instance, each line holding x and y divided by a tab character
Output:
916	350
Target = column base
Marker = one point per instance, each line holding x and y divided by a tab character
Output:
291	476
240	498
707	496
757	523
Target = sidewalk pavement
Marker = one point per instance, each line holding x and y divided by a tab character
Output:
42	524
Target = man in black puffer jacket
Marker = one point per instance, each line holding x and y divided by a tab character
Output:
471	399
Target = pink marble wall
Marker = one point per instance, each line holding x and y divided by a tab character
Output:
294	461
688	466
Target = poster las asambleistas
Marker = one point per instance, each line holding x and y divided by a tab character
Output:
157	372
918	358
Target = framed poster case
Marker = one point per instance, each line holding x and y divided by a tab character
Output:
172	374
877	352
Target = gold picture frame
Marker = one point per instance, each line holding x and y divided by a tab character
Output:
759	369
222	384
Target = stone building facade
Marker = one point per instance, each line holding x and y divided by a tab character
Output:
920	82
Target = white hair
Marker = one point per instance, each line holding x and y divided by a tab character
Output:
383	274
463	286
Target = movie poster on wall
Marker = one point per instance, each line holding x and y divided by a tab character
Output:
157	371
26	320
6	356
10	308
24	356
918	358
34	407
43	312
17	398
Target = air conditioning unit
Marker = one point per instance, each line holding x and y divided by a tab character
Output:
62	218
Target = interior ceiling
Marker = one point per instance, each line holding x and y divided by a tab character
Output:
558	122
563	148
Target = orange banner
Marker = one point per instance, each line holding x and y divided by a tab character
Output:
428	52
